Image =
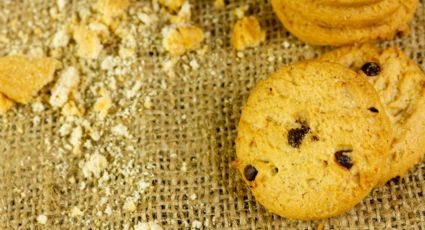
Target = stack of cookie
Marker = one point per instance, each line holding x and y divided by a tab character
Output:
316	137
342	22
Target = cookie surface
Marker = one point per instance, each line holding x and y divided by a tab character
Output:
22	77
340	16
310	144
401	85
347	2
311	32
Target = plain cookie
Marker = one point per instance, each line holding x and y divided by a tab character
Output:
310	142
313	33
341	16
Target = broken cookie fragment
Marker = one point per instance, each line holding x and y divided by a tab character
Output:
5	104
112	8
247	33
21	77
173	5
67	82
89	45
181	39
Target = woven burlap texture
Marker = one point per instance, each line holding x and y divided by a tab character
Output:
182	145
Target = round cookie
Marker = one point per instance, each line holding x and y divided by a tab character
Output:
401	86
348	2
310	141
313	33
340	16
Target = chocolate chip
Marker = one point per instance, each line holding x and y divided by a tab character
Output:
315	138
250	172
344	160
371	69
296	136
373	110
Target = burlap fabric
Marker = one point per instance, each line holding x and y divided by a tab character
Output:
181	145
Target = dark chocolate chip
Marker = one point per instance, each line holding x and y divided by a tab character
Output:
373	110
371	69
296	136
343	159
250	172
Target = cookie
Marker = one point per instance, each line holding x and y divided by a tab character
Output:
401	86
341	16
310	143
312	33
22	77
347	2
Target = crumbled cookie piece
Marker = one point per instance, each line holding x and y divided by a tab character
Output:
240	11
103	104
147	226
247	33
42	219
21	77
183	15
68	81
112	8
173	5
88	42
60	38
94	165
219	4
71	109
75	211
181	39
5	104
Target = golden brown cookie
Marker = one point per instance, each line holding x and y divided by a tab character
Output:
401	86
310	144
341	16
348	2
311	32
22	77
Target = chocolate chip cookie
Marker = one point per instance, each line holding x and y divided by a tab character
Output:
310	143
401	87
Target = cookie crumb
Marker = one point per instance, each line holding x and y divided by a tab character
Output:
95	165
193	196
42	219
181	39
147	226
219	4
112	8
240	11
120	130
37	107
130	206
196	224
173	5
75	211
68	80
60	38
184	167
183	15
247	33
89	45
319	227
103	104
